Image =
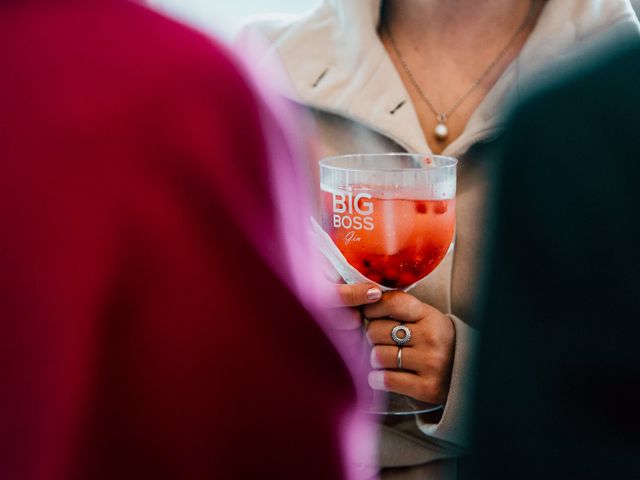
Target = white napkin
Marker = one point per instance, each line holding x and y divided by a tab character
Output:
348	273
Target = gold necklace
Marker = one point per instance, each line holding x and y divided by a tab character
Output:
441	131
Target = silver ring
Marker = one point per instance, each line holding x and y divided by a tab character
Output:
407	334
399	359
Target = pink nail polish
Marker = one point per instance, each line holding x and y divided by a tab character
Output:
374	294
375	363
376	380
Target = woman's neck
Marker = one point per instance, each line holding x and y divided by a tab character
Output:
455	23
455	51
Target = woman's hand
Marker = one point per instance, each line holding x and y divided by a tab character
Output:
350	299
427	359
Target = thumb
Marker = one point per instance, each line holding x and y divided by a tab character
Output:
358	294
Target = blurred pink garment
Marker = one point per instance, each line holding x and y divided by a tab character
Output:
290	138
147	327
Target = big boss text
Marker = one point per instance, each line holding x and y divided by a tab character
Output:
352	213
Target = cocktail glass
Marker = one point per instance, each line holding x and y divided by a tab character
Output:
392	216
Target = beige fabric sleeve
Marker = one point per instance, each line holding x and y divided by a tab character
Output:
412	440
453	427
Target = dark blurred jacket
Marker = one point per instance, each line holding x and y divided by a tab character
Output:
559	379
142	333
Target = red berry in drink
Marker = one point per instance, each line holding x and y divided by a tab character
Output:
407	278
440	206
375	277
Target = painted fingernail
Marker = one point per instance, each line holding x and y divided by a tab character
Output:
375	362
374	294
376	380
369	341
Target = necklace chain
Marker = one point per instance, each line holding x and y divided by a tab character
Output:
442	117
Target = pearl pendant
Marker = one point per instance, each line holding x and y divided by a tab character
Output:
441	132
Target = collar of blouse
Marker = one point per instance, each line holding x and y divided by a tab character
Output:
337	63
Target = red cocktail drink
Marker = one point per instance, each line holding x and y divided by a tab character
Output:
392	216
391	241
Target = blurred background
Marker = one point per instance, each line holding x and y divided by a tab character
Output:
223	16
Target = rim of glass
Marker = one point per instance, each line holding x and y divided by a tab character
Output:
448	162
